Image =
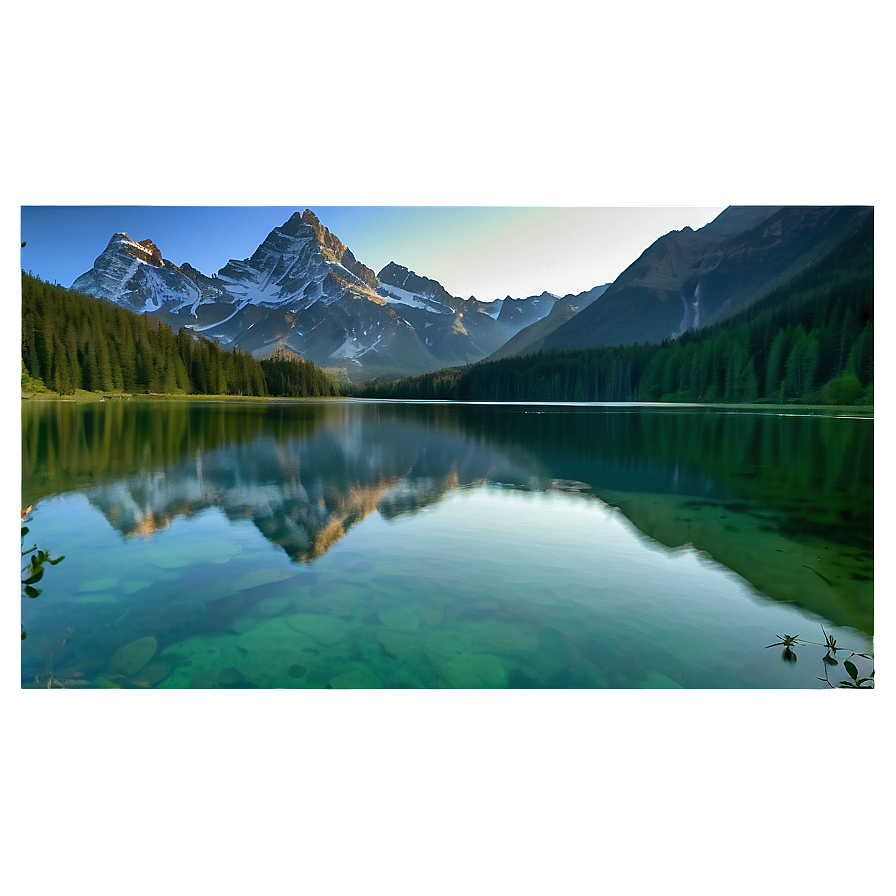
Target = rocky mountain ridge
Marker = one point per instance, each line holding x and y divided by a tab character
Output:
304	290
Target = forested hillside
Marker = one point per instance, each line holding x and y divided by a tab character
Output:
809	340
73	341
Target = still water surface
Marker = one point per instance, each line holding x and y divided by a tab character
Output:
385	544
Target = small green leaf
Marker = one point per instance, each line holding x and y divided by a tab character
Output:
830	660
35	578
23	636
57	560
31	591
25	531
851	669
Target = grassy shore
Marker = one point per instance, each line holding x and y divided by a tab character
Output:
83	397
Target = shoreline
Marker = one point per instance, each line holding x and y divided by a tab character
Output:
82	397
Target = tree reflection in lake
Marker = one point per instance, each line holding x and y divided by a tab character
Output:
786	502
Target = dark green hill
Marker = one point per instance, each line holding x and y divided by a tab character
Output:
73	341
688	280
811	339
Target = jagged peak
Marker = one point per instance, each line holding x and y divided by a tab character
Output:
392	268
143	250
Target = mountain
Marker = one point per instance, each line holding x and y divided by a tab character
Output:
454	330
302	289
530	339
690	279
326	484
516	314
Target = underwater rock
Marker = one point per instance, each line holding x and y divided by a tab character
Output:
244	624
500	636
657	680
444	645
98	597
204	680
273	606
134	656
135	585
230	675
155	672
399	619
259	577
297	670
401	645
98	585
326	630
174	560
473	670
430	616
356	678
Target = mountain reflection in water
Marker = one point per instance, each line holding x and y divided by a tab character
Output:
784	501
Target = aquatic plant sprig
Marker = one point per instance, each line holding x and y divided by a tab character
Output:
33	568
789	642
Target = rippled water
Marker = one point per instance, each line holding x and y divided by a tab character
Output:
361	544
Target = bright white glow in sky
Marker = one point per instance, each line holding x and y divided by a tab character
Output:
485	252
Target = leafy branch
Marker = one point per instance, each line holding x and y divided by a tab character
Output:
33	567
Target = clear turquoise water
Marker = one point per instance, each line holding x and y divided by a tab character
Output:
359	544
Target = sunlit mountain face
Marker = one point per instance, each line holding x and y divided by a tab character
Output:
303	289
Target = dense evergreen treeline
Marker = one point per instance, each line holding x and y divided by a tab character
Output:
810	340
73	341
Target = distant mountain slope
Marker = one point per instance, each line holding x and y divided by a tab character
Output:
531	338
516	314
689	279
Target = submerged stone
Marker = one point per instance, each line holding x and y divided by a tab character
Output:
273	606
204	680
259	577
399	619
134	656
401	645
430	616
99	597
501	636
473	670
155	672
657	680
98	585
356	678
230	675
326	630
297	670
135	585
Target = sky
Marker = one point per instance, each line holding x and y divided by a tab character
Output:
486	252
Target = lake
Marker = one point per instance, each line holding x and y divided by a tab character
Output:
355	544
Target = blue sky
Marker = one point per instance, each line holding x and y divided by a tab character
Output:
488	252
